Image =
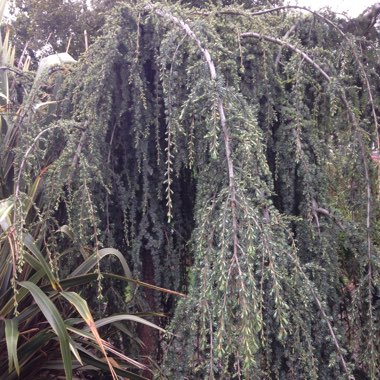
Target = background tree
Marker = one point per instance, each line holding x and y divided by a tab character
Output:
47	27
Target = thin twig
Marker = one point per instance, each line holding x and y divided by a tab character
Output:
287	34
338	29
17	188
355	123
13	69
290	46
296	261
78	151
223	120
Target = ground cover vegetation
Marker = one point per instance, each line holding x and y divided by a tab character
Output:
210	171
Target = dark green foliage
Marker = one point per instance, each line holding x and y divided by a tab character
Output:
267	220
52	26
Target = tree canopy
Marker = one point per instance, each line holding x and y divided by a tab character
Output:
230	151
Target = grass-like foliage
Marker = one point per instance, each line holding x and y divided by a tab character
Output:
39	317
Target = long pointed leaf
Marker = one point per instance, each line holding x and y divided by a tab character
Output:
8	307
86	278
81	305
3	3
74	350
55	320
99	364
93	259
126	317
11	337
86	334
6	207
29	243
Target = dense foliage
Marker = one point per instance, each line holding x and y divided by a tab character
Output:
230	151
46	27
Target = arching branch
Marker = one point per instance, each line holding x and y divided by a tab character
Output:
290	46
353	119
223	121
356	124
371	15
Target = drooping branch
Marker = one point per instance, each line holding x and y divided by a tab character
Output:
356	124
307	58
321	309
226	136
371	15
353	120
23	162
239	12
290	46
223	121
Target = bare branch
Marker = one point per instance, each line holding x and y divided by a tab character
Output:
287	34
13	70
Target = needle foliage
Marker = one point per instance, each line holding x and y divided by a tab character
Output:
228	149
